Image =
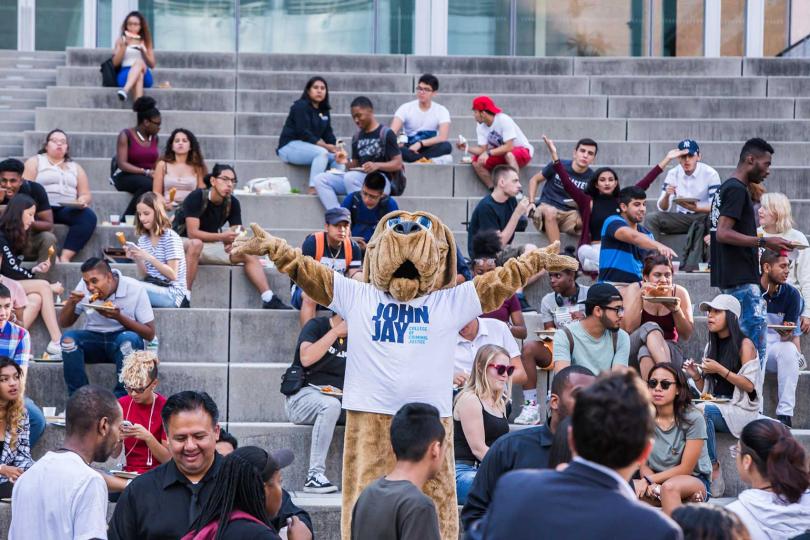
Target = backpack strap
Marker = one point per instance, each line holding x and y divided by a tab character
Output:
347	251
320	241
614	337
570	337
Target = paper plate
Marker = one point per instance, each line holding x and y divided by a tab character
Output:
781	327
129	475
660	299
679	200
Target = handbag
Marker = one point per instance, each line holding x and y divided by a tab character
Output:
108	73
160	282
293	380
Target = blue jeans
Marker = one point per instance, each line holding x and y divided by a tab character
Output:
714	424
83	346
159	297
36	421
752	322
330	185
465	475
303	153
81	223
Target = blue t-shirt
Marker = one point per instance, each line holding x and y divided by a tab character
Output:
462	268
365	219
620	262
785	306
553	191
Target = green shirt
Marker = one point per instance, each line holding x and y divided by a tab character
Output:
669	445
597	355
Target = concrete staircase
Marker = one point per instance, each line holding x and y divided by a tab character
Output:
636	108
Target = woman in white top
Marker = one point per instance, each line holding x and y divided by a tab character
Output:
68	191
133	56
774	464
159	254
181	169
776	219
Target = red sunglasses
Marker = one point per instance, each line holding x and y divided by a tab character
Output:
501	369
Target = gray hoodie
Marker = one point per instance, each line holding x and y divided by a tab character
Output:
767	518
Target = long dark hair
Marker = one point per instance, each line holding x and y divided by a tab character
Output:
238	486
195	156
593	191
683	401
44	148
145	34
777	456
11	224
324	105
14	414
709	522
731	355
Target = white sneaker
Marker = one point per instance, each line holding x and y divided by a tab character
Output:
446	159
122	95
529	416
54	350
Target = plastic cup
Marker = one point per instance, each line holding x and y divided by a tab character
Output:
703	267
129	220
49	411
115	219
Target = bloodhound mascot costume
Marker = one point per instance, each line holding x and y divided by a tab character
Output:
403	323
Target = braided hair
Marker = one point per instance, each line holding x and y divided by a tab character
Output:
238	486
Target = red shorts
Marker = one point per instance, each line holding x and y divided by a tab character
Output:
521	153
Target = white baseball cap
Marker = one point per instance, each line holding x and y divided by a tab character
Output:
724	302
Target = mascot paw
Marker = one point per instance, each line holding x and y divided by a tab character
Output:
550	259
261	243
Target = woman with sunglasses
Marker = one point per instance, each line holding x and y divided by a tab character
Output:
479	413
678	468
727	378
137	152
774	464
656	328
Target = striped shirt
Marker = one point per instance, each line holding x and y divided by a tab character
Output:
620	262
168	248
15	343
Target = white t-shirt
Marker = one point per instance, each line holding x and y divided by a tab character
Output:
701	185
490	332
503	129
400	352
59	497
415	119
562	315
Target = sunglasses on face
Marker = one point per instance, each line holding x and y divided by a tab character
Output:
132	390
653	383
500	369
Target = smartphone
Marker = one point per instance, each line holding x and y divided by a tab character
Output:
127	424
132	245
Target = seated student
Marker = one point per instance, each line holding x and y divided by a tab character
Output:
137	152
15	457
549	211
394	505
368	206
307	137
565	304
476	334
678	468
42	239
656	329
500	141
226	443
180	170
374	148
479	413
65	182
774	464
321	354
202	216
159	254
134	56
784	348
109	334
596	342
730	369
334	248
426	124
625	242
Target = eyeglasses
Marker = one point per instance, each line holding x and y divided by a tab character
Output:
500	369
227	179
653	384
424	90
153	122
618	310
132	390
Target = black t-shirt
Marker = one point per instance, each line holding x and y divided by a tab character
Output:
368	146
213	218
37	192
489	215
241	529
732	266
553	191
604	206
331	368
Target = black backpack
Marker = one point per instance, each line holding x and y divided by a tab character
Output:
397	178
179	223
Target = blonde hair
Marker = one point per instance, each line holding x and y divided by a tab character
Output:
478	383
161	223
140	368
14	412
779	205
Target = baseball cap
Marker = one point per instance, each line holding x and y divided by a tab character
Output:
338	215
602	294
265	463
485	103
724	302
689	144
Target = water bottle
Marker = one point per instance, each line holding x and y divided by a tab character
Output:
152	346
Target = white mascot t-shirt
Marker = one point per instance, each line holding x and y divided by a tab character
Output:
399	352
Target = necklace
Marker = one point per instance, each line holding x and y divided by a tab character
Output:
149	429
332	254
141	137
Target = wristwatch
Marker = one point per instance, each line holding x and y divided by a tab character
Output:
761	242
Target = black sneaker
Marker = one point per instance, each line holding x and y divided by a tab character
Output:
275	303
787	420
318	483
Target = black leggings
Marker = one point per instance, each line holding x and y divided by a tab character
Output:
137	184
409	156
5	490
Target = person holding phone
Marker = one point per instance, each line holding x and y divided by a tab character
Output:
134	56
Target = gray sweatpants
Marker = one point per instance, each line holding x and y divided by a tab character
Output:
310	407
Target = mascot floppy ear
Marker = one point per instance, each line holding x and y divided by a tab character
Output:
448	274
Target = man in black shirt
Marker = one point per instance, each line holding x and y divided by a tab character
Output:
164	502
205	212
734	242
41	238
526	448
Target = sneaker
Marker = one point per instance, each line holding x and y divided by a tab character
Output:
318	483
802	362
275	303
529	416
122	95
446	159
54	350
718	485
787	420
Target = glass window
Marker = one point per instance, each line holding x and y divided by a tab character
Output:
190	25
8	25
678	27
68	32
395	21
479	28
104	23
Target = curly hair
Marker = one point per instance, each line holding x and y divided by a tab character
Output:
195	156
161	223
140	369
14	412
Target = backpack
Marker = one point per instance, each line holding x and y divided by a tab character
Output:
320	246
397	178
357	201
614	336
179	223
209	532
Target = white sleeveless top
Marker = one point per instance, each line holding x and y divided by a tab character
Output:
60	184
131	54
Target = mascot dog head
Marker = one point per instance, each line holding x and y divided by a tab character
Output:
410	255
